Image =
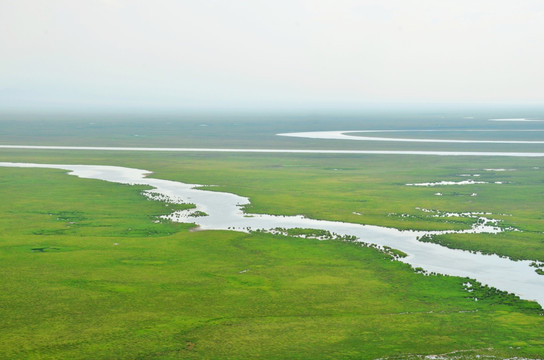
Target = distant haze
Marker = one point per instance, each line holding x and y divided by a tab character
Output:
253	53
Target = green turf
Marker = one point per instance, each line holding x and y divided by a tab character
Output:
88	274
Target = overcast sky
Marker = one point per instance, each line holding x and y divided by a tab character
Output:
253	53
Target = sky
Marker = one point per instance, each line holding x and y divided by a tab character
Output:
252	53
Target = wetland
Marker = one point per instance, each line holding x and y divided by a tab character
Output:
95	267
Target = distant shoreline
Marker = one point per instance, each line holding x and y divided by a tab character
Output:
277	151
346	135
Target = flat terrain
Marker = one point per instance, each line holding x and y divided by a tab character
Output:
257	130
87	272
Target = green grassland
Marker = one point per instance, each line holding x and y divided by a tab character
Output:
87	273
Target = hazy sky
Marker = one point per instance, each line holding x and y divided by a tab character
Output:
252	53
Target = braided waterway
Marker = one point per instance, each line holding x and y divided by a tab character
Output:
223	211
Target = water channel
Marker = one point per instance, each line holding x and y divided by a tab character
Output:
224	211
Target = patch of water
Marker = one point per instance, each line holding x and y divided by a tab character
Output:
279	151
346	135
499	170
443	183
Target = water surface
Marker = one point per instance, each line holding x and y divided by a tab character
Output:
279	151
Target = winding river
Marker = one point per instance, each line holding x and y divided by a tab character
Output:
224	212
350	135
280	151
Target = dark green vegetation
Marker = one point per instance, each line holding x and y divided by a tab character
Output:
87	272
313	234
110	283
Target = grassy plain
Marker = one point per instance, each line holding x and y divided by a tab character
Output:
67	291
87	273
360	189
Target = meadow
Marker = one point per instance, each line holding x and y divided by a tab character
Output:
89	272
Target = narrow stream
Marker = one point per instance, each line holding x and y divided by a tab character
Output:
224	212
